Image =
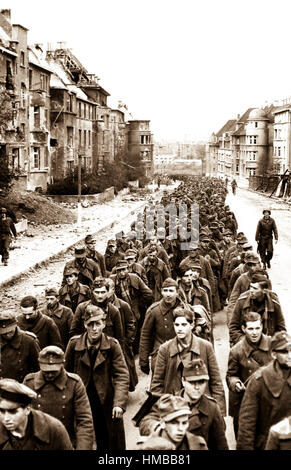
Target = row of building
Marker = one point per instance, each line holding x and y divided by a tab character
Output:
59	113
256	143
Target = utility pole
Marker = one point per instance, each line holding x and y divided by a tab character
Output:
79	220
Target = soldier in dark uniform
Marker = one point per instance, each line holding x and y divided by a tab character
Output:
87	268
99	361
93	254
99	298
250	353
62	394
31	319
112	255
22	428
73	292
205	419
7	228
19	349
171	422
61	315
267	398
264	237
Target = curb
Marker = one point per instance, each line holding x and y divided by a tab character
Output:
273	198
65	250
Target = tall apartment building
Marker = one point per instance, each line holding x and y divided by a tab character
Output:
140	143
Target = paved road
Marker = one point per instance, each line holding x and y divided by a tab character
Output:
247	207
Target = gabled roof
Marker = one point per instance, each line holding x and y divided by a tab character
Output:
226	128
35	58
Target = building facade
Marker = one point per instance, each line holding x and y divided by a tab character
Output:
140	143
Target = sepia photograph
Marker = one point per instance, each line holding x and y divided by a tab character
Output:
145	197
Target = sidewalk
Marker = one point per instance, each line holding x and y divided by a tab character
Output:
44	243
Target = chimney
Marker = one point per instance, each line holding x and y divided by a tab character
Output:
5	21
238	116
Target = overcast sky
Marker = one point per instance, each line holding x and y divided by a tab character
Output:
186	65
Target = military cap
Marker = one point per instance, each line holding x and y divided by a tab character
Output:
92	313
51	358
111	242
205	239
195	370
154	443
258	277
247	246
227	232
193	265
80	251
28	301
266	210
121	264
51	291
130	253
251	257
7	322
3	210
193	246
89	239
16	392
69	270
280	340
100	282
169	282
172	406
242	240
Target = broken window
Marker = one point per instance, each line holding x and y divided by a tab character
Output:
36	116
22	59
9	76
70	136
36	157
15	159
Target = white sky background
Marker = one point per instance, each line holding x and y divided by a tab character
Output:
186	65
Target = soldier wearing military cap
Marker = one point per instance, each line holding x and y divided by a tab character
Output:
259	298
22	428
19	349
130	288
156	271
7	229
93	254
158	324
194	256
184	348
99	361
87	268
251	266
73	292
267	397
172	423
99	298
191	289
266	229
161	252
112	255
133	267
31	319
128	323
61	315
249	262
245	357
62	394
205	419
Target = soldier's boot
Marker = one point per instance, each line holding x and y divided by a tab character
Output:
6	263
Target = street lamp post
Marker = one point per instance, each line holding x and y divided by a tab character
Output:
79	219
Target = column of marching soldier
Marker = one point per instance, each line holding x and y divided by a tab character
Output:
67	367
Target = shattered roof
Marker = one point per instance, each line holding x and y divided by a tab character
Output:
4	38
35	58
